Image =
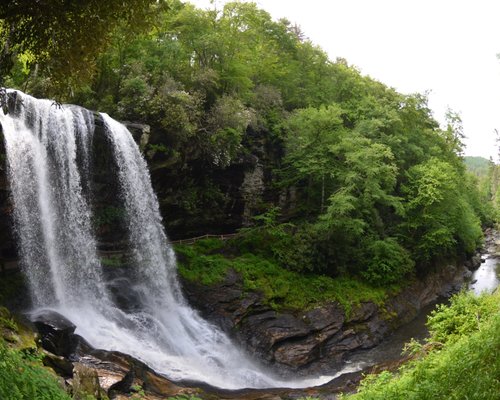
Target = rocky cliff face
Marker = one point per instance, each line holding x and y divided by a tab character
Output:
319	339
197	198
194	200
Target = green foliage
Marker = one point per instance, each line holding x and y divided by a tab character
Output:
388	262
202	261
478	194
8	323
138	392
10	285
108	215
438	214
112	261
467	367
283	289
463	316
57	35
207	269
184	397
291	246
22	378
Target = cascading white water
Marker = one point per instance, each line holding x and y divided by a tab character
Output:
58	251
59	257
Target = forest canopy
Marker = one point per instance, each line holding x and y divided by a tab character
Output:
64	37
360	177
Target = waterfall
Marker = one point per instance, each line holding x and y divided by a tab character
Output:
49	153
52	217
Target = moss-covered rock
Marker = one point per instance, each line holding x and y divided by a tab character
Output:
15	333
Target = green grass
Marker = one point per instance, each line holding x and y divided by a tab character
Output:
22	375
24	378
205	262
467	366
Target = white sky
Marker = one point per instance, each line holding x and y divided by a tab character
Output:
446	47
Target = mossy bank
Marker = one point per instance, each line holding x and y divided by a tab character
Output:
301	323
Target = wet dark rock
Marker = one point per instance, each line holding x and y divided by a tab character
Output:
316	340
62	366
329	316
140	133
276	328
56	332
363	312
121	373
475	262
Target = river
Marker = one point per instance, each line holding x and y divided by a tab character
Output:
485	278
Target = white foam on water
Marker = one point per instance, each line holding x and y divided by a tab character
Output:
59	256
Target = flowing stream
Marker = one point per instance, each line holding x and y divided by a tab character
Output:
487	276
485	279
49	156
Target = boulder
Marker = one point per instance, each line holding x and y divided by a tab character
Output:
86	383
475	262
62	366
56	332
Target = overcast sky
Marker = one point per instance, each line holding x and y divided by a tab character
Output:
445	47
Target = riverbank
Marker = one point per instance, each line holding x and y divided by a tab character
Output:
121	377
460	359
260	325
255	303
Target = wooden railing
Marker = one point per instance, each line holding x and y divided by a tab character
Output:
195	239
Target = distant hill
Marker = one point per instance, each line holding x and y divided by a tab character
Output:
477	165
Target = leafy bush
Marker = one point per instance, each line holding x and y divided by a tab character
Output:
463	316
438	216
388	262
467	367
292	247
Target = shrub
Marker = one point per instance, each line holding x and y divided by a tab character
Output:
464	315
389	262
467	367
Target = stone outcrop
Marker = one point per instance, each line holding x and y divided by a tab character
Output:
319	339
88	371
233	194
56	332
86	383
252	189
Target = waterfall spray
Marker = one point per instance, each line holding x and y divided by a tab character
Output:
59	253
